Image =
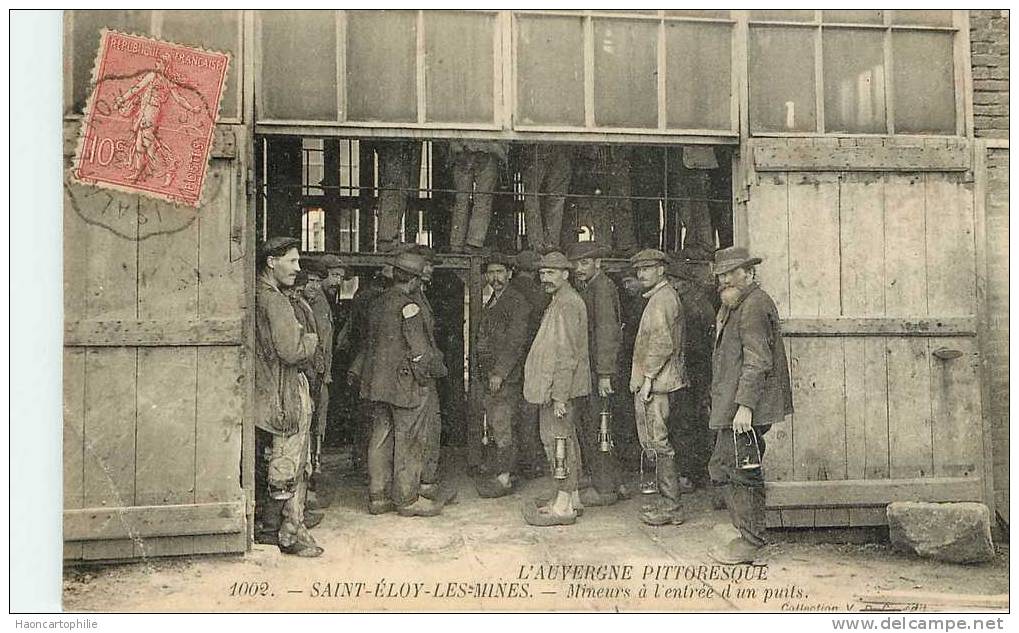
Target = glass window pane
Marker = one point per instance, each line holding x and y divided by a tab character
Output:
854	81
696	13
798	15
924	18
382	66
625	77
214	30
698	86
868	16
782	80
924	82
85	27
550	70
298	65
459	73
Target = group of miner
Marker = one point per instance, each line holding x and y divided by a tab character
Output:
548	352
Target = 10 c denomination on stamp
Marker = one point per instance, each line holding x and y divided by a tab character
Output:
149	121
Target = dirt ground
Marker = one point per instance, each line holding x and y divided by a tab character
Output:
480	555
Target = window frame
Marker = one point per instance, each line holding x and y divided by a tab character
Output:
237	61
960	75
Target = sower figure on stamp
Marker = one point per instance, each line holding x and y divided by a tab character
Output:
658	370
604	333
283	405
557	378
399	365
530	454
750	391
476	167
502	343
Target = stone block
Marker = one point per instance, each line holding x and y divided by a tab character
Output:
950	532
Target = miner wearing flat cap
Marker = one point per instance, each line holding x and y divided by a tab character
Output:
658	370
399	367
750	391
557	378
502	344
604	334
283	405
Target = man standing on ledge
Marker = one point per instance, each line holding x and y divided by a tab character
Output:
282	404
750	390
556	374
658	369
603	338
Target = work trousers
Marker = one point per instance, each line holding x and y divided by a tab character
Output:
500	411
551	427
475	176
743	489
602	466
652	428
689	432
546	181
399	174
433	437
530	453
396	451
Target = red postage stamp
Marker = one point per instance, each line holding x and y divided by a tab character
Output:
150	119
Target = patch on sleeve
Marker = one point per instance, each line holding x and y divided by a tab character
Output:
411	310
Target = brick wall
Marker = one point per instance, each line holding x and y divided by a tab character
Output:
989	50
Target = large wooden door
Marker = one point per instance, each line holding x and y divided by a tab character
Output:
874	275
155	386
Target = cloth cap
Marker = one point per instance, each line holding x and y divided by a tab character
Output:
727	259
331	261
314	266
649	257
581	250
555	260
277	246
499	258
527	260
412	263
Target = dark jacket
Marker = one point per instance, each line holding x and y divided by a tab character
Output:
531	290
397	340
503	337
603	323
320	307
281	346
749	364
699	330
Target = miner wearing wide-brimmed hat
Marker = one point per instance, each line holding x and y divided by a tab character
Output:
530	454
557	378
750	391
604	334
399	366
502	343
658	370
283	405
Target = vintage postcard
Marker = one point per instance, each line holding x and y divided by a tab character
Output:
536	310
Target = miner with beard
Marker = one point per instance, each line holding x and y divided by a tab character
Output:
750	390
502	343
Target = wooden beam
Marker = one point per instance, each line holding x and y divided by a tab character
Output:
871	492
806	156
103	524
138	332
224	141
880	326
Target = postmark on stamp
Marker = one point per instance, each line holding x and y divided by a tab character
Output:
149	122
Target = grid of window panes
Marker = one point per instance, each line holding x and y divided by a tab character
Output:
624	69
213	30
852	71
